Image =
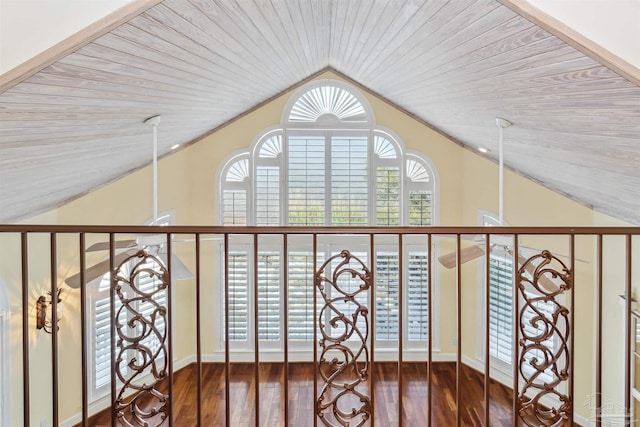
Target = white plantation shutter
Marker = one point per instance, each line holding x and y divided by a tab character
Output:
102	355
306	183
387	310
269	296
500	308
387	296
501	315
301	289
238	296
101	322
418	296
349	180
149	284
347	284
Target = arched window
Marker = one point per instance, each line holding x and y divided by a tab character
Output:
327	164
5	355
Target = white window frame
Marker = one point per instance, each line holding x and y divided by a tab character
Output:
500	370
273	143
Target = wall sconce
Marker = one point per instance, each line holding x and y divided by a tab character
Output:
44	315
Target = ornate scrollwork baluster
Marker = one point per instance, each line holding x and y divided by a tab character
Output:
544	369
141	347
344	360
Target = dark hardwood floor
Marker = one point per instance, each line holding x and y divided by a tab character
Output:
301	396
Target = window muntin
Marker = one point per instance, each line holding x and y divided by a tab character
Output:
349	180
306	180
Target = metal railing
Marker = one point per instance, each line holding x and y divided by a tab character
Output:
533	269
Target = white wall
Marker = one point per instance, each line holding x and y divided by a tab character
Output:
28	27
613	24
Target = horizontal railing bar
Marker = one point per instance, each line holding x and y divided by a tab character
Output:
211	229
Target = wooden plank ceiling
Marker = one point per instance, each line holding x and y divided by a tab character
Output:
77	123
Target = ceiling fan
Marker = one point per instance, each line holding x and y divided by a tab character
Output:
154	244
466	254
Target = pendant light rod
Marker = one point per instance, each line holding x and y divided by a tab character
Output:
154	121
502	124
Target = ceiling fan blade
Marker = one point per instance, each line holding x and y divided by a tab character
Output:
543	280
118	244
466	255
97	270
178	269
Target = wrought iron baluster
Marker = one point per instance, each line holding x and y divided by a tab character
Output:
343	368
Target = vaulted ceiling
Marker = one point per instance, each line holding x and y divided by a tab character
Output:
76	123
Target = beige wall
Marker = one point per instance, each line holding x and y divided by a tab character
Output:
187	183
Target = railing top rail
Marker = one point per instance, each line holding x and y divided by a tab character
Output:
250	230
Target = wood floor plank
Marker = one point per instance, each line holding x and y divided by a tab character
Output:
302	397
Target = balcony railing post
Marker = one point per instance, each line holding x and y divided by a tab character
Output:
256	335
516	328
112	310
24	243
628	330
400	335
315	333
372	338
487	319
168	327
198	334
54	326
227	373
598	411
430	260
83	328
572	259
285	307
458	326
